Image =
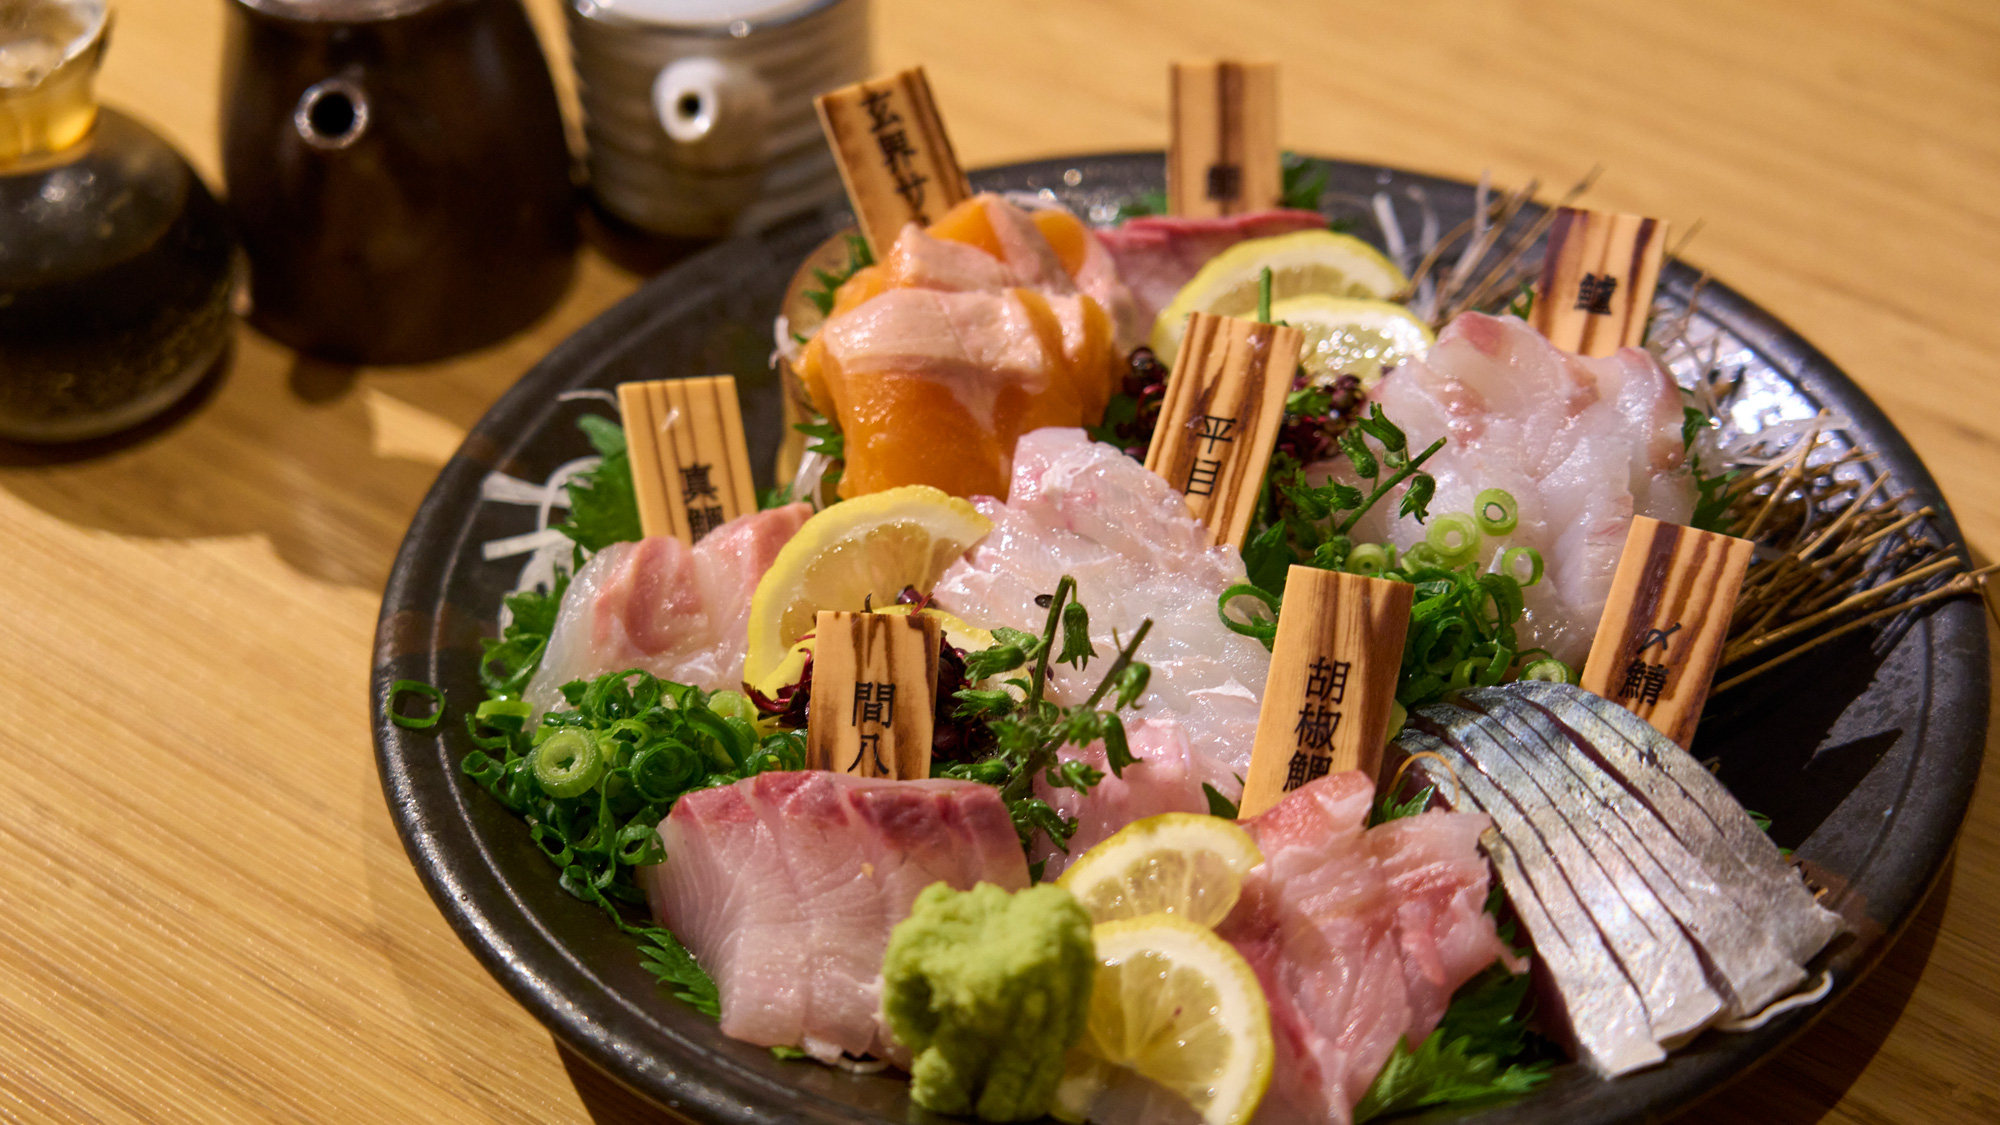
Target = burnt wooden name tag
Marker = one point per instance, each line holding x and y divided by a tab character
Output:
1662	633
1223	158
690	464
893	153
1597	282
874	688
1225	401
1333	676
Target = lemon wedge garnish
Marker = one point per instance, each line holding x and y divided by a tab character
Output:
1181	1007
1184	864
856	553
1353	335
1302	263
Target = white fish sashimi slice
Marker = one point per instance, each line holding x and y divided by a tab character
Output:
785	886
682	614
1086	510
1582	444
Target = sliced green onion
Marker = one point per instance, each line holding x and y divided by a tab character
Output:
1370	559
414	722
568	764
1513	557
1463	673
1549	670
476	731
504	714
1455	537
1496	511
1420	555
733	704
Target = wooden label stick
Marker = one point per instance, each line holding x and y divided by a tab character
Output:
1663	629
1598	276
893	154
874	687
1333	677
690	464
1225	400
1223	159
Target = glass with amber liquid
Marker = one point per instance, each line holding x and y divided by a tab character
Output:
116	263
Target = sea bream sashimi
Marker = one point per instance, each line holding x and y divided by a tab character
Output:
1358	935
1084	509
785	886
680	613
987	324
1582	444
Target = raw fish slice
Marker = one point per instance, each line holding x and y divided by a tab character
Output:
1609	1017
1648	942
682	614
1084	509
1582	444
1700	812
1747	966
1359	937
1156	255
1166	778
785	886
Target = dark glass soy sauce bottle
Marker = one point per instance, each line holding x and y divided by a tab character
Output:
116	263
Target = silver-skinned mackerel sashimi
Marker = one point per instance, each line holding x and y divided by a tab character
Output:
1747	966
1586	795
785	886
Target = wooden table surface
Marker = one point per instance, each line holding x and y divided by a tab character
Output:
205	914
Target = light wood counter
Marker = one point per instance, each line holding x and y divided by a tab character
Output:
205	915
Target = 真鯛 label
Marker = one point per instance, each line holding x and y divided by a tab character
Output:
874	688
690	464
1597	280
893	153
1332	682
1662	633
1225	400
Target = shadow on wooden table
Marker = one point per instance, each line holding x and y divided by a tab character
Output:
271	444
1798	1087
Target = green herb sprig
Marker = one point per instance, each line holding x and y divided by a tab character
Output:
603	508
1029	731
1480	1051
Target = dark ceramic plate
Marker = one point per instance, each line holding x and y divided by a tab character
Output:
1864	756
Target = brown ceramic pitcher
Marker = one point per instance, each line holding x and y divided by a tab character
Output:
398	173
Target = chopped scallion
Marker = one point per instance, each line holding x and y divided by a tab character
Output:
568	763
1515	558
1455	538
414	722
1496	511
1370	559
1549	670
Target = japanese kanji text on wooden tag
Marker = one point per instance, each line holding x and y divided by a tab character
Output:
1598	276
1333	676
690	466
1663	629
874	687
1223	159
893	154
1225	401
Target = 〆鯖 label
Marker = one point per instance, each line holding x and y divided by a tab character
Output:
1663	629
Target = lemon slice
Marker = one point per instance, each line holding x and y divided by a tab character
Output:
858	552
1304	262
1353	335
1178	1005
1184	864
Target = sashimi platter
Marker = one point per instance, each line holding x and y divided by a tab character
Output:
1232	638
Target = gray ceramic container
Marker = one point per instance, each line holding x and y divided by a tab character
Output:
699	113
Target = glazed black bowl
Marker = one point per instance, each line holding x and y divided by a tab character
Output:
1863	754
